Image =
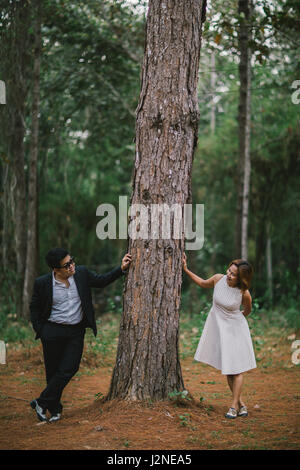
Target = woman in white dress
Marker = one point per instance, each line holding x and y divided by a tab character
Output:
225	342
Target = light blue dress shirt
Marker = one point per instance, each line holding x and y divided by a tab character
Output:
66	306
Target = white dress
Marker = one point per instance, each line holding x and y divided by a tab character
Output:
225	342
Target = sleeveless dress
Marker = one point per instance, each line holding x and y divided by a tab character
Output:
225	342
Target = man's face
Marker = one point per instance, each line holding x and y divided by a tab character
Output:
67	267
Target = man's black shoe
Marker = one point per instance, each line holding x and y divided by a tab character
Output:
40	412
55	417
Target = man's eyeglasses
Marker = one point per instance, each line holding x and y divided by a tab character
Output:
68	264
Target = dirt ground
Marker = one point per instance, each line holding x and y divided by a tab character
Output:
271	392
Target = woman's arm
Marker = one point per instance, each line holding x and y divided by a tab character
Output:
247	303
205	283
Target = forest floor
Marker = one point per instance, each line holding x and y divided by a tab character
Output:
271	392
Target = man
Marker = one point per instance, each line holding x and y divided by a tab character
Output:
60	310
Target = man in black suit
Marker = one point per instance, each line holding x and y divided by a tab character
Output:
61	309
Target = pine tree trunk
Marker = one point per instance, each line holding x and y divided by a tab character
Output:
269	264
7	242
244	123
213	88
23	18
31	246
15	55
19	194
147	364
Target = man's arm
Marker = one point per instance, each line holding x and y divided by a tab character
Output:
35	308
103	280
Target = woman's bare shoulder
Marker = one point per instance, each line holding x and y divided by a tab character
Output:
217	278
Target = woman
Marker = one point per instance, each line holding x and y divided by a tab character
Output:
225	342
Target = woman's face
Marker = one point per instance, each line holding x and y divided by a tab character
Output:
232	275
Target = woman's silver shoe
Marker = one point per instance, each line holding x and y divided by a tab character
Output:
231	414
243	411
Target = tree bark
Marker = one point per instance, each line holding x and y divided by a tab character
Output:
31	246
19	184
213	88
269	264
147	364
244	123
16	56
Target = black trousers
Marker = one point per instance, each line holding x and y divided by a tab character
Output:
62	348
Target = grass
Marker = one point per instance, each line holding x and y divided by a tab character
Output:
104	345
263	324
179	397
216	434
184	419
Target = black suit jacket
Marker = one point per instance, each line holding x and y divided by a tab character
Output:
41	302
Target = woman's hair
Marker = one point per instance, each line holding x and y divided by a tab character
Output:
244	274
54	256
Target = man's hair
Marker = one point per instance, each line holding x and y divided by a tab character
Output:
54	256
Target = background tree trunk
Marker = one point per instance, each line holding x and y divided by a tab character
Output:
147	364
18	52
213	89
31	246
244	123
269	263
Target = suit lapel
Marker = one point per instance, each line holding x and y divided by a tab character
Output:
78	284
49	293
49	288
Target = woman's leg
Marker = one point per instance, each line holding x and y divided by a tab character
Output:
235	383
230	381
